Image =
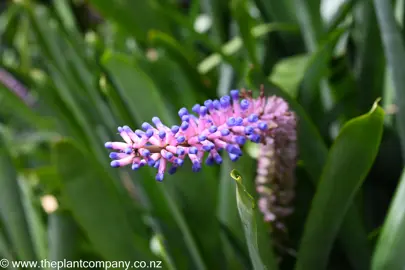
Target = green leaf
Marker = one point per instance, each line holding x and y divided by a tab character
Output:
12	103
388	253
136	89
347	165
220	14
289	72
341	14
98	206
36	224
395	55
12	210
136	18
186	58
5	250
62	235
370	61
258	239
317	68
277	11
245	23
309	18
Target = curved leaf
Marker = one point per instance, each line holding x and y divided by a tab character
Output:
12	210
348	163
389	252
258	239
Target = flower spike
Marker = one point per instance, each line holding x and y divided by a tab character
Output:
208	128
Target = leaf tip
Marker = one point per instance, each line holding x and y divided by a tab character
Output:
375	105
236	175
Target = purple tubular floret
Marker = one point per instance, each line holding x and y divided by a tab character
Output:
182	112
175	129
234	94
145	126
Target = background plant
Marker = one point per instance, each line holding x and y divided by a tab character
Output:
72	71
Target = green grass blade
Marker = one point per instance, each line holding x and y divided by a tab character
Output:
258	240
348	163
395	56
388	253
97	205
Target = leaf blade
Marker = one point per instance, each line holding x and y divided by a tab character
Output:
348	163
262	256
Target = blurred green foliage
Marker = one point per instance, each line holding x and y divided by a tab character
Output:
72	71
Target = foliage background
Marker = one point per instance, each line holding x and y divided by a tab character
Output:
72	71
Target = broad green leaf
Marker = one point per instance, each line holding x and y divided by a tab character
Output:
388	253
98	206
137	90
62	236
395	56
12	211
185	57
169	75
257	238
289	72
348	163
